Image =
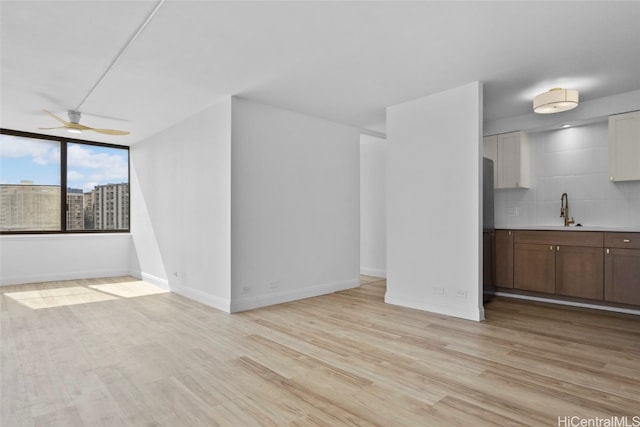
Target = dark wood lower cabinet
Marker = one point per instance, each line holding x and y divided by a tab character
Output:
579	272
504	258
622	276
598	266
488	276
534	267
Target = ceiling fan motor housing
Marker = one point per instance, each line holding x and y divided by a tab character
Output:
74	116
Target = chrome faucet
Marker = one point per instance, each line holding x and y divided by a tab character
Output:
564	210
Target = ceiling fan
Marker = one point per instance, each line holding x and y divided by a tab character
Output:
74	126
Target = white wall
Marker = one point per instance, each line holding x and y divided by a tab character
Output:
434	213
40	258
373	206
295	206
243	195
574	161
181	204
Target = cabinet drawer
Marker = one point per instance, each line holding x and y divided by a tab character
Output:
565	238
622	240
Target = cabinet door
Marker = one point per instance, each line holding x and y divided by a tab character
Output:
580	272
622	276
534	267
624	147
488	281
508	160
513	160
504	258
490	151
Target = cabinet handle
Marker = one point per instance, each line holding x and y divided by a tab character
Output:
607	251
509	233
557	248
610	178
550	247
627	241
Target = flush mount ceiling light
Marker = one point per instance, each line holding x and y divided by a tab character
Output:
555	101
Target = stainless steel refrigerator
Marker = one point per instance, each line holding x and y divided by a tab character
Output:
488	234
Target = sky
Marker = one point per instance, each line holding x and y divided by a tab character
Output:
39	161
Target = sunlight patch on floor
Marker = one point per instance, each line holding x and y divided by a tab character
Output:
129	289
58	297
40	296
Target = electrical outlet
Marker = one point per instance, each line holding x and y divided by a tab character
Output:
437	291
512	212
274	284
245	290
461	293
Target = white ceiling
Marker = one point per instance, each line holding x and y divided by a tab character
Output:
343	61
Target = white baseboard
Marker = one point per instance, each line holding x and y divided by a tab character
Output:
474	313
155	280
250	303
53	277
570	303
205	298
373	272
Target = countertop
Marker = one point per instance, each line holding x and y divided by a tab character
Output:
570	228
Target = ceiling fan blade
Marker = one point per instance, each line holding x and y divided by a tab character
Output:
110	131
64	122
78	126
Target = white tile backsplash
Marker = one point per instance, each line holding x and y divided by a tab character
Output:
574	161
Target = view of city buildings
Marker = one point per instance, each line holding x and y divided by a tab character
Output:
107	207
75	209
26	207
29	207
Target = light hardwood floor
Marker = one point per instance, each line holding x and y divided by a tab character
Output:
110	352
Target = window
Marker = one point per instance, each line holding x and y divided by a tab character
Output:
93	171
29	184
53	184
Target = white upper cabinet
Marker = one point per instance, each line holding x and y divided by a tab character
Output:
510	155
624	147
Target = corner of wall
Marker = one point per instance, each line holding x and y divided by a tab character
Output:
374	272
244	304
295	205
464	312
190	162
154	280
222	304
434	252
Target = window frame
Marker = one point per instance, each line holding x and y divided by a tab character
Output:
63	141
